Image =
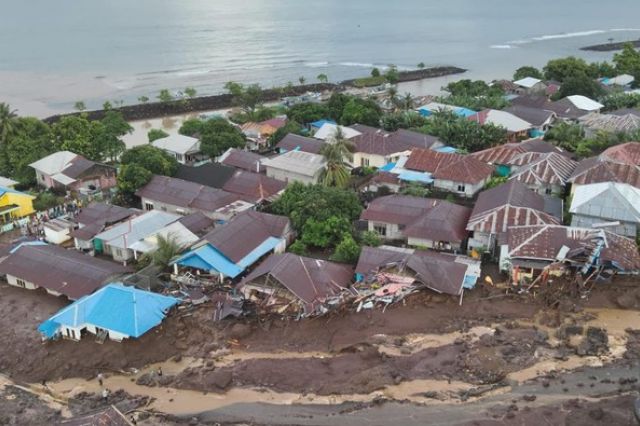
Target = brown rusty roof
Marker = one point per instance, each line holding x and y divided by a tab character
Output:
301	143
539	169
451	167
437	271
180	193
626	153
246	231
505	154
545	241
110	416
509	204
425	218
380	142
596	170
197	222
253	187
244	160
310	280
65	271
103	213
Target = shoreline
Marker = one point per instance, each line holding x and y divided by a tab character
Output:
197	104
611	47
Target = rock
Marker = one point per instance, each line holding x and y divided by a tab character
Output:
239	331
596	414
220	379
177	358
529	398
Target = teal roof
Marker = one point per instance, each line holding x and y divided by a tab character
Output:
5	190
115	307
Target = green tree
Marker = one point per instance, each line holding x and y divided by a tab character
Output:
190	92
392	75
407	102
153	159
564	68
375	72
307	112
109	139
620	100
370	238
462	133
7	127
361	111
77	134
602	69
46	200
322	78
155	134
347	251
165	96
217	135
302	80
191	127
337	156
528	71
495	181
248	98
79	106
325	233
414	189
291	127
336	104
299	248
566	135
402	120
628	62
107	106
473	88
167	248
131	177
421	65
143	99
580	84
30	141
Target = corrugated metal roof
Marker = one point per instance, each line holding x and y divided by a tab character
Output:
449	167
118	308
293	142
254	187
550	169
125	234
303	163
607	200
65	271
242	160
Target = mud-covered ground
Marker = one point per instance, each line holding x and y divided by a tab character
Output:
426	352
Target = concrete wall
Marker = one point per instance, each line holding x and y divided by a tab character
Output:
14	282
118	254
469	189
480	240
435	245
393	230
82	244
288	176
56	237
374	160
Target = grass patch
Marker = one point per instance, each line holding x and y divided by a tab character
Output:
369	81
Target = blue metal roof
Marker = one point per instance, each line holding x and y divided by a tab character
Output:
27	243
411	176
4	190
321	123
447	150
265	247
387	167
207	258
115	307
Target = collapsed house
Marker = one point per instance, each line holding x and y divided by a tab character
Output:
388	274
557	250
115	311
301	286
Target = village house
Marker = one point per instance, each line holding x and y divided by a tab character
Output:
517	128
15	204
544	173
253	187
608	205
507	205
620	164
117	240
295	166
58	230
210	174
182	197
73	172
623	81
114	312
244	160
502	157
258	133
328	131
185	149
59	271
595	123
422	222
530	86
572	108
231	248
461	174
293	142
530	250
288	283
95	218
393	268
540	119
382	179
376	147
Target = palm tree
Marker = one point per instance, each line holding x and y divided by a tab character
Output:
7	121
392	94
407	102
168	248
301	79
337	156
322	78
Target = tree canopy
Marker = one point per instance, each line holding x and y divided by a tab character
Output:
463	134
580	84
155	134
563	68
308	112
361	111
628	62
153	159
527	71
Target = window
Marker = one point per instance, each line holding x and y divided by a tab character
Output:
461	188
548	191
148	206
380	229
21	283
364	162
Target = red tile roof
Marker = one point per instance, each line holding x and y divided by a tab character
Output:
451	167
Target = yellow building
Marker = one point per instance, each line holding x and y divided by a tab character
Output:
14	204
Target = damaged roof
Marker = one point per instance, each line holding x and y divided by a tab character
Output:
181	193
543	242
506	205
310	280
450	167
438	271
68	272
599	169
505	154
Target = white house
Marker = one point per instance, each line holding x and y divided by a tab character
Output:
183	148
295	166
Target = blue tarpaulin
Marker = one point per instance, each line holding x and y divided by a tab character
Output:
115	307
387	167
447	150
320	123
207	258
411	176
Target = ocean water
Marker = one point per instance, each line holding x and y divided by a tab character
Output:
53	53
